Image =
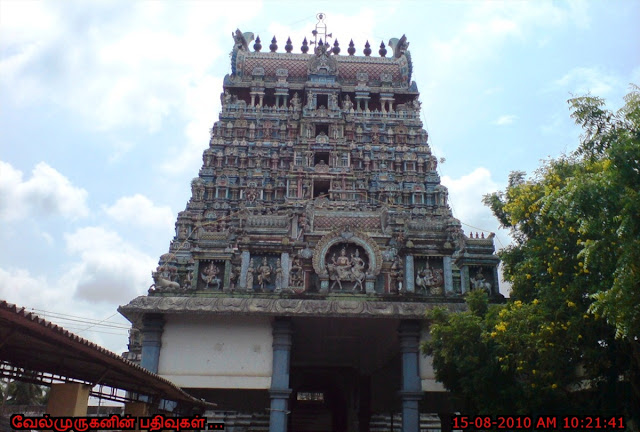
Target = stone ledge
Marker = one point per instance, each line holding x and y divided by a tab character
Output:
280	307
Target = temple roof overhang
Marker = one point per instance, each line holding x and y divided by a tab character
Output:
290	307
65	357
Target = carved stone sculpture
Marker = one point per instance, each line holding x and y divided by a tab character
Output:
161	284
479	282
279	277
264	274
250	275
210	276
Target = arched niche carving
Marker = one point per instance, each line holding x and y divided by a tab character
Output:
346	235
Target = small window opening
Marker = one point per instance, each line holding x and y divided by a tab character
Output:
323	100
322	128
321	156
321	187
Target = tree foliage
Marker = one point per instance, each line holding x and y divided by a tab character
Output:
569	337
23	393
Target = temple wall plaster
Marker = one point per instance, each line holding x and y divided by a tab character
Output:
216	352
427	374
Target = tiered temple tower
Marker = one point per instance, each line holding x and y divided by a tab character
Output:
316	236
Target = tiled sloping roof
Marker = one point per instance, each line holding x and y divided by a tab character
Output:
37	345
297	65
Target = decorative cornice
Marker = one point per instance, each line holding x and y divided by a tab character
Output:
142	305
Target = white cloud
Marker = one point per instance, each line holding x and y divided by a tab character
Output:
47	237
505	120
493	90
46	193
111	270
116	64
465	194
18	286
202	108
488	25
582	80
465	198
140	211
50	300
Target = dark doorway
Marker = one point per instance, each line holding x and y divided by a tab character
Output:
321	156
319	401
323	100
321	187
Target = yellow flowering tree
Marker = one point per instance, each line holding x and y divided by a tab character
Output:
568	339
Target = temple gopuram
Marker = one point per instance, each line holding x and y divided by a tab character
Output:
316	237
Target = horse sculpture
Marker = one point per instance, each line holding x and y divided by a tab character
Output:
430	280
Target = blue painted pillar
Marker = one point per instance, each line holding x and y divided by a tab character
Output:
280	391
244	266
464	279
409	277
152	327
411	391
448	275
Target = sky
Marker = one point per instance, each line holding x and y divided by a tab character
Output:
106	106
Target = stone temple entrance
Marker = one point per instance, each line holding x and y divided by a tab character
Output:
342	371
316	236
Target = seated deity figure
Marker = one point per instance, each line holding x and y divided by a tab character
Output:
264	273
343	265
210	276
479	282
425	278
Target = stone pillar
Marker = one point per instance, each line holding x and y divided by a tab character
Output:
68	399
495	287
136	409
280	391
324	284
411	391
152	326
448	275
286	268
227	275
246	256
370	284
409	277
464	279
196	275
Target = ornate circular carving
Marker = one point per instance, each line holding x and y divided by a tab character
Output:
345	235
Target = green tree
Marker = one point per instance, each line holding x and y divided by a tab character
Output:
569	337
24	393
